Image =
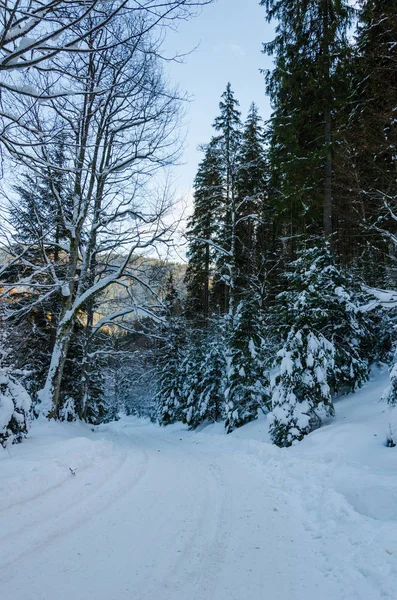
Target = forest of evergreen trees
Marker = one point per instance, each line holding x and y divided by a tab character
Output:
293	228
293	223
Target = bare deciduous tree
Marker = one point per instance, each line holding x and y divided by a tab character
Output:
118	127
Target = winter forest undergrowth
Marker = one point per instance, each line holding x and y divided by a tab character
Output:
278	326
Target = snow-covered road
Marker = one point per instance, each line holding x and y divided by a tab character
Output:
152	514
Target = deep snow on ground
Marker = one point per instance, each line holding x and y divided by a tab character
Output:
167	514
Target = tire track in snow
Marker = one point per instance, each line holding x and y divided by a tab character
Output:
40	533
202	552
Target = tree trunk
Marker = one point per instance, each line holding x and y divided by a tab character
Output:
49	395
85	392
88	334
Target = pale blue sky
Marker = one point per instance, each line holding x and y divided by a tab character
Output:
230	34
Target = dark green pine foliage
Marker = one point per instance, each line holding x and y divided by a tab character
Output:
212	395
170	395
71	391
79	401
96	408
311	36
203	232
251	184
37	215
30	345
332	300
376	94
171	354
301	395
31	216
192	387
30	349
247	388
372	134
228	126
331	333
206	384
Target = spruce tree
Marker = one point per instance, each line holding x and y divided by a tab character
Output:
95	407
251	187
247	388
170	395
37	212
371	138
213	373
228	126
310	37
206	376
203	231
191	367
333	299
376	81
329	340
301	395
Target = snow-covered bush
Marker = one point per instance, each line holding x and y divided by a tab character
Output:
15	404
301	395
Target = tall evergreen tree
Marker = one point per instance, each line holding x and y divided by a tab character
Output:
206	377
251	187
371	137
228	126
170	394
310	37
36	213
213	372
247	384
203	230
301	395
327	297
192	387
